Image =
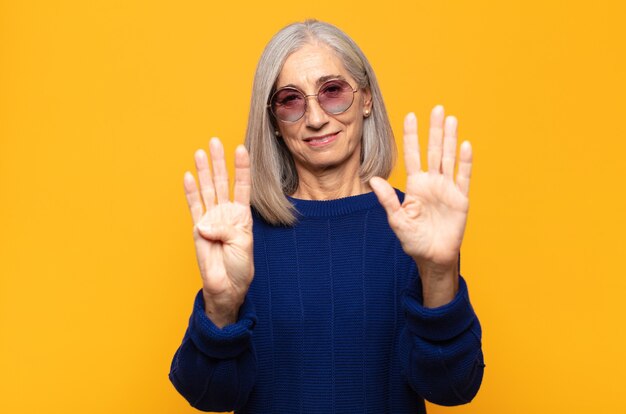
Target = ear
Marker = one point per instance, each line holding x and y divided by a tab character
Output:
367	100
275	127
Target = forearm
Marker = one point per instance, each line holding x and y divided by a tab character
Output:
441	347
215	368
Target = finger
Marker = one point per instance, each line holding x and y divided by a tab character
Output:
386	195
449	147
435	138
411	145
217	232
242	176
465	168
220	175
193	197
207	191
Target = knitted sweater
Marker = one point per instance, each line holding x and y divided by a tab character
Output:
333	322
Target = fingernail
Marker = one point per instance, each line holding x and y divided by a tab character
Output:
411	116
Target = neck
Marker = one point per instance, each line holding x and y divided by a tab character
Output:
329	184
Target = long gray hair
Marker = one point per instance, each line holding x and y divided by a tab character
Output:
272	167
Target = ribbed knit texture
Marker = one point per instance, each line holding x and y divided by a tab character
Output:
333	323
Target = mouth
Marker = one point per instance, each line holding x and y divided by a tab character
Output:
321	140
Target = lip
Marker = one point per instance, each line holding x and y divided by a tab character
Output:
321	140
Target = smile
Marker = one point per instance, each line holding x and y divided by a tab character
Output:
321	140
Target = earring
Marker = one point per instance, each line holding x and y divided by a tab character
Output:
276	133
366	113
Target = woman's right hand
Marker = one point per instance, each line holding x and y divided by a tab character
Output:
222	231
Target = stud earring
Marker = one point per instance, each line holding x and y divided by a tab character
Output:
366	113
276	133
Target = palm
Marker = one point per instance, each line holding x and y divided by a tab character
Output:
222	229
432	218
225	266
430	223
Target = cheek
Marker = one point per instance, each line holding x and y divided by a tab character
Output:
293	144
355	130
286	134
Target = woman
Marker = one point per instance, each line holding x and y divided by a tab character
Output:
349	299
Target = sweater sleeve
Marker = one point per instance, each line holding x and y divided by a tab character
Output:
215	369
441	347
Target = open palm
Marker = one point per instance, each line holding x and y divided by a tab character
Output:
430	222
222	231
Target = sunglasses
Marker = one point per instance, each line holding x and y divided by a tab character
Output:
289	104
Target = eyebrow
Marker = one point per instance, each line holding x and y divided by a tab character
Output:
318	83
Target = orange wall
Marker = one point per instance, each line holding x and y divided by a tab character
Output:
102	104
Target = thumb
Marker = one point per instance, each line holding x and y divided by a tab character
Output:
216	231
386	195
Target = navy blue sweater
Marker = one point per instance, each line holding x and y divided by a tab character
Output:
333	323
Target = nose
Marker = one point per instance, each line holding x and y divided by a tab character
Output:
314	116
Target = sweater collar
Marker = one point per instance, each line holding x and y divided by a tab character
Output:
336	207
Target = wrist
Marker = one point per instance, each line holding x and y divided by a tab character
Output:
221	314
440	284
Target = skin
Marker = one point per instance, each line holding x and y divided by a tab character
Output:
330	171
430	223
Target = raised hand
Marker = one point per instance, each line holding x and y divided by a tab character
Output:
430	223
222	231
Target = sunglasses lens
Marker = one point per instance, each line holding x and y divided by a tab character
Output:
336	96
288	105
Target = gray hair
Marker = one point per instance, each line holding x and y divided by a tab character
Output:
273	169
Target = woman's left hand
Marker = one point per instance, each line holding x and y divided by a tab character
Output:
431	221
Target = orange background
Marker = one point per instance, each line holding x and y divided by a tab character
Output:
102	104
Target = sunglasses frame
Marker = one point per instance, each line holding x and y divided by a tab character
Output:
306	101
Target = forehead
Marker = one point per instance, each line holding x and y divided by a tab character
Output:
306	66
